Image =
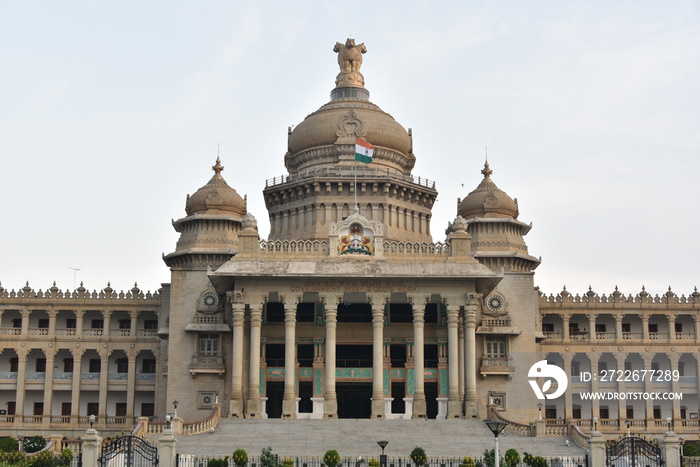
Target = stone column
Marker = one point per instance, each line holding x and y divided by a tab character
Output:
454	406
648	388
596	449
461	358
591	327
675	386
254	410
595	403
565	323
330	403
419	404
166	449
52	321
236	402
470	408
568	394
671	327
378	362
75	385
104	378
79	314
19	394
91	448
107	316
645	328
132	354
289	399
24	330
48	386
618	327
133	326
621	387
671	450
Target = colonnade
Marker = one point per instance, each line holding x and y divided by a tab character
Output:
461	354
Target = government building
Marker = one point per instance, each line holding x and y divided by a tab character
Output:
349	309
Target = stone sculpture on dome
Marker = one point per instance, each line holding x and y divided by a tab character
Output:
350	61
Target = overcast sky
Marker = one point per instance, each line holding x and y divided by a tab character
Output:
111	112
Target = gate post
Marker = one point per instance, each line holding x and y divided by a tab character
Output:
596	449
166	448
672	450
91	448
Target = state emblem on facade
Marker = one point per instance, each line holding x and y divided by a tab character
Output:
355	243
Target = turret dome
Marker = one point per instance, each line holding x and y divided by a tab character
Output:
216	197
487	200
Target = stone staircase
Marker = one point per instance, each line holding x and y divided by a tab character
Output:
443	438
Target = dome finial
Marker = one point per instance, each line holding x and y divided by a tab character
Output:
486	171
218	167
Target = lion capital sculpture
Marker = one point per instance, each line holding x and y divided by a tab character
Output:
349	56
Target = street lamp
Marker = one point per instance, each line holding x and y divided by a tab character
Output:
668	422
167	422
628	423
539	407
175	402
496	428
595	423
92	420
382	459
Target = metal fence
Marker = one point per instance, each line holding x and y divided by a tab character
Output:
189	460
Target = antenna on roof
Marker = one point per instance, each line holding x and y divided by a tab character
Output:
486	152
218	149
75	271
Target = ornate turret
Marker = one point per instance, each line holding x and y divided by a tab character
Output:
497	235
209	233
320	189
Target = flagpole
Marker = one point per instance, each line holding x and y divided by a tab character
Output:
355	171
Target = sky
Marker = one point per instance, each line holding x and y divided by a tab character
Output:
112	112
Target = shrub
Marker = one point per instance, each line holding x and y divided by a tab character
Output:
34	444
691	449
218	462
288	462
65	458
331	458
240	457
418	456
13	458
374	462
268	459
534	461
9	445
489	458
43	459
512	457
467	462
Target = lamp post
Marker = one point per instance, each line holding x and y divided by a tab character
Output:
382	458
539	407
175	402
92	420
628	423
668	422
496	428
595	423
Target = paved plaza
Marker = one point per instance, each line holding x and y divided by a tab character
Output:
444	438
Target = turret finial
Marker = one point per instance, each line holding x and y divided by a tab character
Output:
218	167
486	171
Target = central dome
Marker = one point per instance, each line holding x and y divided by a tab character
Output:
326	138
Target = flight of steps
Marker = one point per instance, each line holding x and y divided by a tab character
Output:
443	438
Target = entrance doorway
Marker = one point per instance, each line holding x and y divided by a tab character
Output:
431	403
275	393
354	400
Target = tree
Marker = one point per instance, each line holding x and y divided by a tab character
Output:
418	456
512	457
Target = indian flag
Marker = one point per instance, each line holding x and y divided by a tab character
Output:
363	151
